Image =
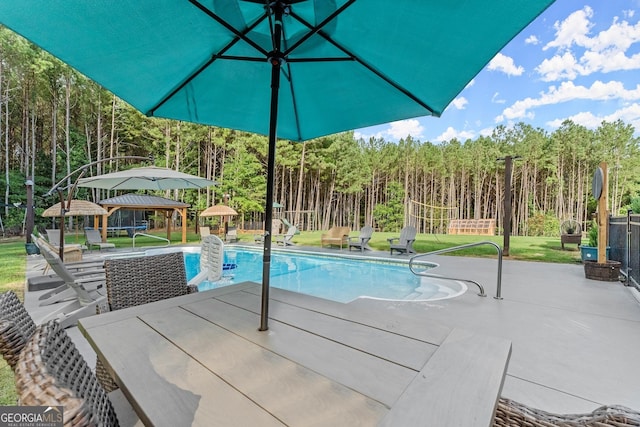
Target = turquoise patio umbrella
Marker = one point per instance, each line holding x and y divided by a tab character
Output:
294	69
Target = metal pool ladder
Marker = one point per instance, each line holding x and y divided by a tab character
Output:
414	260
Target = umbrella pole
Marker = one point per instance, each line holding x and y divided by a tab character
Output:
276	62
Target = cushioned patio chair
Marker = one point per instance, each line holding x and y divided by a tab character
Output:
94	238
16	327
338	236
52	372
285	239
361	242
514	414
141	280
404	243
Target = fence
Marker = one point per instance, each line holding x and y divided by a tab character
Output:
624	243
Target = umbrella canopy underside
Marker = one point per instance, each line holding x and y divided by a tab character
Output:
347	64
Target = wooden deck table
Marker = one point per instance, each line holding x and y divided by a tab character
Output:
200	360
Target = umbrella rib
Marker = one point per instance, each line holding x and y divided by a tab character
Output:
318	27
219	55
289	76
368	67
241	35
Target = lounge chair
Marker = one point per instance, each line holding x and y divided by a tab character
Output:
50	281
94	238
335	236
78	297
16	327
51	372
232	235
404	242
285	239
72	252
204	232
362	241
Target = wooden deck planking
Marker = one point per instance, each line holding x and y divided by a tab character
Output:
187	393
433	332
459	386
292	393
376	378
404	351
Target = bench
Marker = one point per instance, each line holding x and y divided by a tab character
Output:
486	227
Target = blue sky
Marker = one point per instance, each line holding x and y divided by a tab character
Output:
578	60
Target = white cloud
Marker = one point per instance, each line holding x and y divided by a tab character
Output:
629	115
573	30
604	52
460	102
486	131
532	39
404	128
559	67
366	136
451	133
505	64
496	99
566	92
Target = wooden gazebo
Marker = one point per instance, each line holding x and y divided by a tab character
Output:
145	203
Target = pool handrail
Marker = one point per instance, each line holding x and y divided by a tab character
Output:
457	248
149	235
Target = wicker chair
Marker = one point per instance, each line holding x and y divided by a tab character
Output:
16	327
51	372
514	414
141	280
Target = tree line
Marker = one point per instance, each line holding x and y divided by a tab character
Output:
54	120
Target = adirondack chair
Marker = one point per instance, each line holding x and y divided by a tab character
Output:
361	241
285	240
404	243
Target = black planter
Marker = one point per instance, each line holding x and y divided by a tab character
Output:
608	272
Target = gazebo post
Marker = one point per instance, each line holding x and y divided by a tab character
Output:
184	224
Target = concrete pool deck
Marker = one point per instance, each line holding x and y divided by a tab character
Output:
576	342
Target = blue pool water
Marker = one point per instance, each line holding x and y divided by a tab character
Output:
333	278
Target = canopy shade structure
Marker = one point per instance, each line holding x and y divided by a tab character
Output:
145	178
219	210
146	203
75	208
295	69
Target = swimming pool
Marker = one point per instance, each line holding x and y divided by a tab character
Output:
329	277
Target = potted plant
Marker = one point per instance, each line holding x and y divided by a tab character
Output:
589	252
607	271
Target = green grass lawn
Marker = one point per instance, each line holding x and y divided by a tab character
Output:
544	249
